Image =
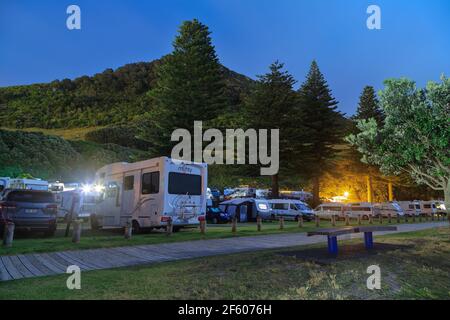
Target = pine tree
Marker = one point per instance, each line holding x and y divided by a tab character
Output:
325	124
189	87
368	106
273	104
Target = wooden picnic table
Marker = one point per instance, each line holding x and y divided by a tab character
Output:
332	234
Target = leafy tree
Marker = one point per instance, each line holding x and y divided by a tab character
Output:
190	86
274	104
324	123
368	106
415	137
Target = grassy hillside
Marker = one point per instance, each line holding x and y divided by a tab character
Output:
52	157
110	97
65	133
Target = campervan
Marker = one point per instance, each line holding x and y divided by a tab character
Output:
410	208
387	209
291	209
428	207
360	209
150	193
247	209
327	210
83	207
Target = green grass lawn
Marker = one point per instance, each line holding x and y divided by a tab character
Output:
35	243
421	271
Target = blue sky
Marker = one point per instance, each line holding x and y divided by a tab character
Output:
414	42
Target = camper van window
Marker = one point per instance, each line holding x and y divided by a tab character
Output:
128	183
182	183
280	206
150	182
111	190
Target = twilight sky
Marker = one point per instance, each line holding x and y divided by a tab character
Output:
414	42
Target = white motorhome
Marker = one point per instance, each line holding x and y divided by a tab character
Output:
361	209
410	208
428	207
391	208
149	193
327	210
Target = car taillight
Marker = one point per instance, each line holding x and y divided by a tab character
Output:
52	208
8	206
165	218
201	218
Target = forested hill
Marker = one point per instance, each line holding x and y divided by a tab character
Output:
111	97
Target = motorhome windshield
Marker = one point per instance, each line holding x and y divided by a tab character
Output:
182	183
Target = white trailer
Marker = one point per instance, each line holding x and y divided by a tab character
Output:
149	193
19	183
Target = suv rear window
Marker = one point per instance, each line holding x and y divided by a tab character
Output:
30	196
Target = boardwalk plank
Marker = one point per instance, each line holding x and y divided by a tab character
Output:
74	261
49	263
14	273
27	263
4	274
20	266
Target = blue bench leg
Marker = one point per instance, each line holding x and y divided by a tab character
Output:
368	240
332	245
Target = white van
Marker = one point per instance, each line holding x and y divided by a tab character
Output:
28	184
361	209
410	208
247	209
391	208
149	193
291	209
84	207
327	210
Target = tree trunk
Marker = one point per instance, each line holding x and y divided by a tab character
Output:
447	198
316	190
275	186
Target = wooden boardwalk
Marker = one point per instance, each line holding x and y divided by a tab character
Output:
46	264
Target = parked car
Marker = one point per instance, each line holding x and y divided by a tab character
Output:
361	209
247	209
216	215
410	208
291	209
327	210
30	210
391	208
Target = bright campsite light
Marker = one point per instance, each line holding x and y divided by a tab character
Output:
86	188
346	194
98	188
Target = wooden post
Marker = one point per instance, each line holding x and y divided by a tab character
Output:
347	220
406	218
420	217
317	221
169	227
234	225
281	223
380	218
128	230
389	218
414	218
71	215
76	234
300	221
359	219
202	226
258	223
333	220
8	235
370	219
426	217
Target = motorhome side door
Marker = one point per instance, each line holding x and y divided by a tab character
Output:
127	206
150	199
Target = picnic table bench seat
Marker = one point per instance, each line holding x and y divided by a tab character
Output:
332	234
